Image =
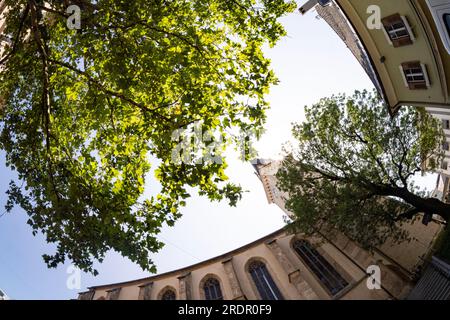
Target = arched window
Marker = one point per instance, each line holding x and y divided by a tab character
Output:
212	290
169	294
326	273
264	283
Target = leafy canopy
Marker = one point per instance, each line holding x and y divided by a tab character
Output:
85	110
354	165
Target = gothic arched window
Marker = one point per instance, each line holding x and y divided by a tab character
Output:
212	290
264	283
324	271
168	295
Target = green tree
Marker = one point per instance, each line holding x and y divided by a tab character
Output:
354	165
85	111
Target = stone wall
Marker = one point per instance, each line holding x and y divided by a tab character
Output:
292	276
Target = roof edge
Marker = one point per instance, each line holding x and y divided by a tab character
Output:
184	269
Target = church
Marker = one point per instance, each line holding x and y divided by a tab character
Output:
287	266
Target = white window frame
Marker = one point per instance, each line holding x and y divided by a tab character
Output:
425	74
447	121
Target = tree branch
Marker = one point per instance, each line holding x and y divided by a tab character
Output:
115	94
407	215
17	38
40	38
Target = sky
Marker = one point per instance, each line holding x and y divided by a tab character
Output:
311	62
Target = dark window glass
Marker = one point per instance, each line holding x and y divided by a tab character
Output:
168	295
326	273
447	22
263	281
397	31
212	290
414	75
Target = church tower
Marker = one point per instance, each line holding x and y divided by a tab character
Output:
406	257
266	171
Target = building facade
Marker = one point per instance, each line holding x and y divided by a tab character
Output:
283	265
407	256
408	45
278	266
442	191
335	18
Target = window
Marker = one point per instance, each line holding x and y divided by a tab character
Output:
447	189
440	9
445	124
446	146
397	30
263	281
414	75
444	165
168	295
212	290
326	273
447	22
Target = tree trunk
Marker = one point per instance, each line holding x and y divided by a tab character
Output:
425	205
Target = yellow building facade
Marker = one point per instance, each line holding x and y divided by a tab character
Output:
408	47
407	43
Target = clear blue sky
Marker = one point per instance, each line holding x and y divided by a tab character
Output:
312	62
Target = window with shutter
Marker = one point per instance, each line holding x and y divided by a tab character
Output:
445	124
397	30
415	76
